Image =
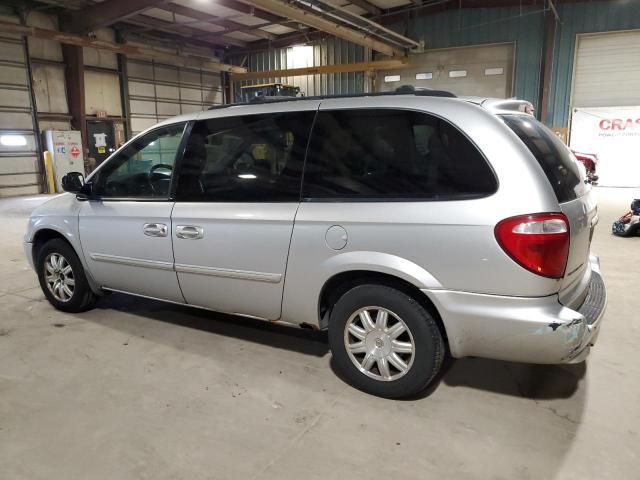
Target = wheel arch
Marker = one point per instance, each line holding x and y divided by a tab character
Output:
43	235
342	282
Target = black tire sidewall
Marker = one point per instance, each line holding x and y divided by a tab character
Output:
428	341
82	297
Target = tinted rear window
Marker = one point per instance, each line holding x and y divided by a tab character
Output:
392	154
552	155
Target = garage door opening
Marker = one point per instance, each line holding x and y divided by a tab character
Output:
605	113
485	71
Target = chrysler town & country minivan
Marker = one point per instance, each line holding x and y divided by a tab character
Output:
410	226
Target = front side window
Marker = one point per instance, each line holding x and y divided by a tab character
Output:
143	169
252	158
385	153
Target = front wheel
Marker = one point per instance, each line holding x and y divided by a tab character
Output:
384	342
62	277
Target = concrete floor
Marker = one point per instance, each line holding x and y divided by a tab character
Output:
140	389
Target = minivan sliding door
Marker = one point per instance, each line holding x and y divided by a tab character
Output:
236	200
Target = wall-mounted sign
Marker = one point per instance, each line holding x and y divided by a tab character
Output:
613	134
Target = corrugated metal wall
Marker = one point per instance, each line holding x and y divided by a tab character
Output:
19	169
582	18
325	52
475	26
158	91
47	70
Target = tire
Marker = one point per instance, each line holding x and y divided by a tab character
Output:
52	262
385	378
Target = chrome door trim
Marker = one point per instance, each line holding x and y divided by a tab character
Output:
189	232
134	262
155	229
229	273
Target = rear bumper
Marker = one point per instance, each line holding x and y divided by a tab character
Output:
532	330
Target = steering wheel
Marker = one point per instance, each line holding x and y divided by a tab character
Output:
159	166
160	183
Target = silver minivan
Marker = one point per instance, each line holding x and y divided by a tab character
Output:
409	225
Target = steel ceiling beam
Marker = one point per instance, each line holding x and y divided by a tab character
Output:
263	14
107	13
366	6
184	60
186	31
316	21
332	9
228	25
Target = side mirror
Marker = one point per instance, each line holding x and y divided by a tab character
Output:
73	182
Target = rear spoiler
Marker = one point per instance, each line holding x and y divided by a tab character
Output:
508	105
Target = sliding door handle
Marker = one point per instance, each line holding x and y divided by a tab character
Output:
189	232
155	229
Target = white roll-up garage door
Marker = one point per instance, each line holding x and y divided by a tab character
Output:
607	70
484	71
158	91
605	104
19	170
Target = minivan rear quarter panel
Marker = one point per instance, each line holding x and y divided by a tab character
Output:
447	245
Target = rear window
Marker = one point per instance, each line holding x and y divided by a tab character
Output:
392	154
552	155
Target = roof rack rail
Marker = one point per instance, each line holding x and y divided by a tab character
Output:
403	90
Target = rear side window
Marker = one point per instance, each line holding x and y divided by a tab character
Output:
385	153
252	158
552	155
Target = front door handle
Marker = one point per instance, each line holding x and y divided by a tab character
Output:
189	232
155	229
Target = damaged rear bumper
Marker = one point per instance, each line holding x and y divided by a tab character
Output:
532	330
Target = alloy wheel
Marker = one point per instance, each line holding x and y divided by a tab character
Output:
59	277
379	343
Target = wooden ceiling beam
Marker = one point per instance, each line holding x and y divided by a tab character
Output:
324	69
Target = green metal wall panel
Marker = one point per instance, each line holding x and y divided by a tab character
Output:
325	52
475	26
582	18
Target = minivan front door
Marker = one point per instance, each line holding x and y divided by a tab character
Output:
125	228
237	196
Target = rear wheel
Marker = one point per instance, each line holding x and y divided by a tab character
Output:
62	277
384	342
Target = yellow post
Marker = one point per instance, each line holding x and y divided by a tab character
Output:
48	167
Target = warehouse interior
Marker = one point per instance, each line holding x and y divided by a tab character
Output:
138	388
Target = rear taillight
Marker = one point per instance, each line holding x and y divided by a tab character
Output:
538	242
